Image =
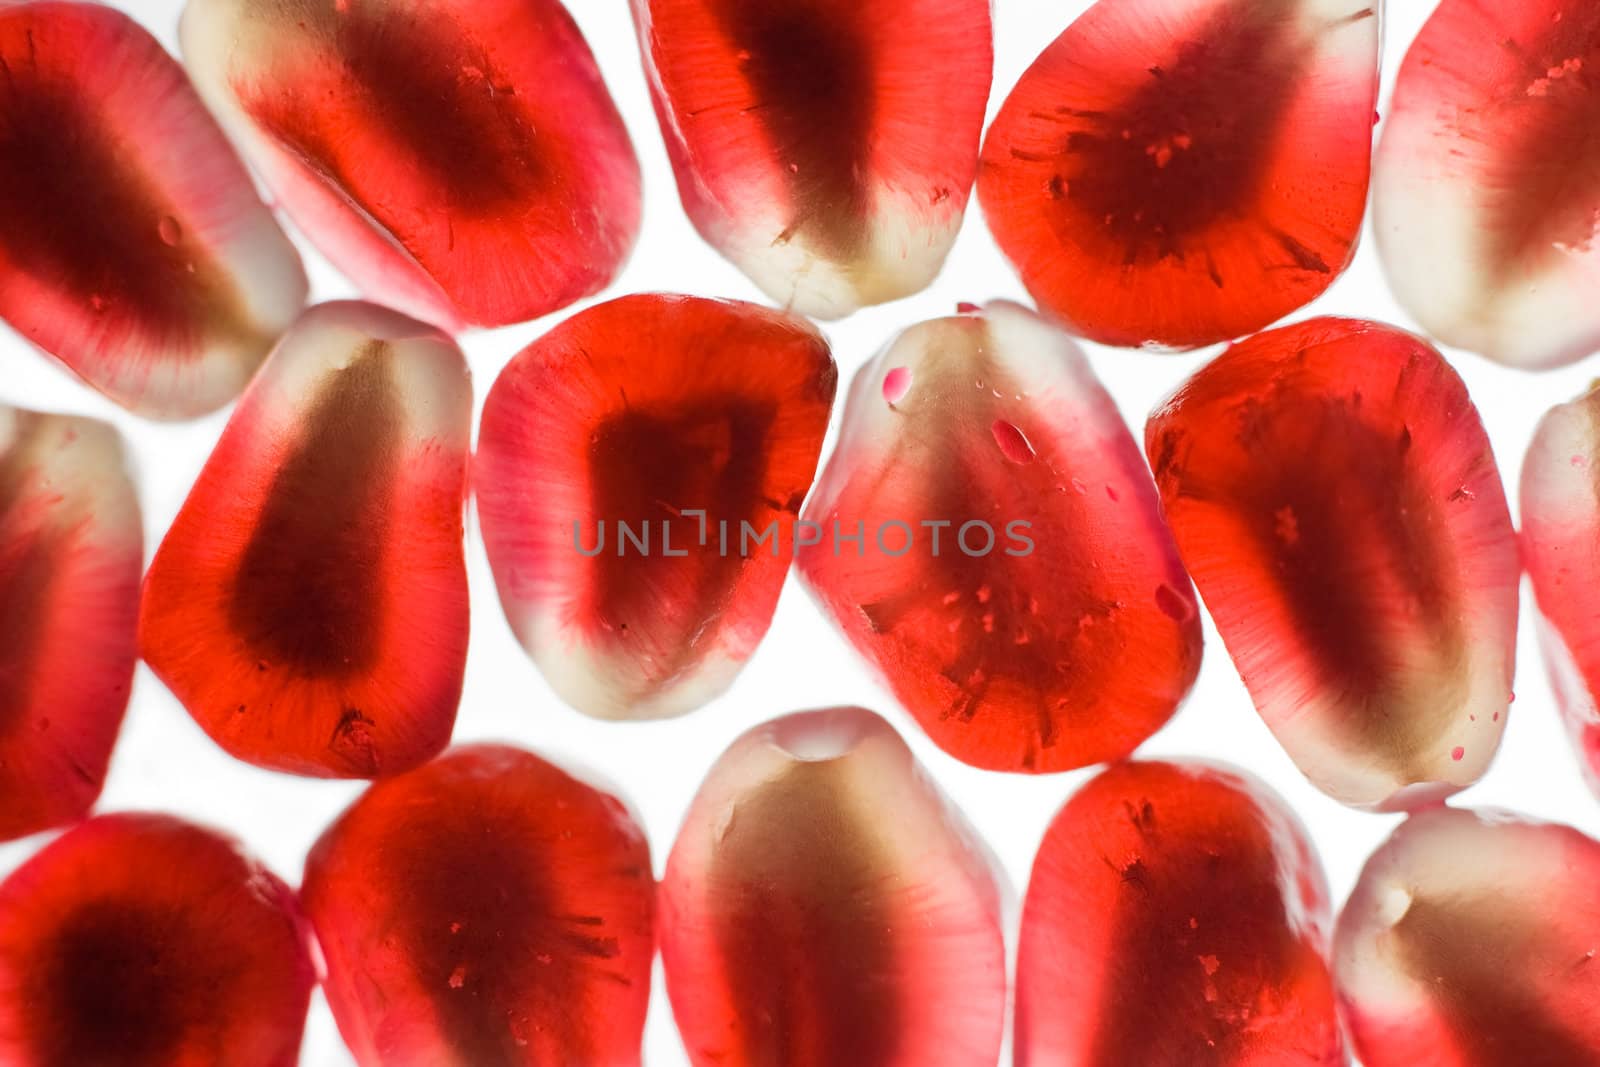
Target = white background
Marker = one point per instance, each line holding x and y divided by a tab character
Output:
164	762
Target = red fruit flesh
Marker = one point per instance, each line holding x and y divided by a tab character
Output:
309	603
133	247
485	910
1470	941
459	159
678	419
1561	545
1070	639
144	941
1183	172
1487	190
71	550
1176	915
824	905
826	147
1334	494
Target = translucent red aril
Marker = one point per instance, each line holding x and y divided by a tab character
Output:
1487	189
1182	172
986	534
639	473
824	904
1176	915
1335	497
1561	546
1470	941
459	159
71	551
309	604
144	941
485	909
133	247
826	147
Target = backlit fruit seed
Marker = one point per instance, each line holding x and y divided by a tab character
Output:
133	247
145	941
309	604
1177	173
459	159
485	909
1335	497
824	904
639	475
987	536
826	147
1177	914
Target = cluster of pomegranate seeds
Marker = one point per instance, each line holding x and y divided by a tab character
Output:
824	904
1487	188
826	147
1182	172
1470	941
133	246
485	909
1009	574
144	941
1177	914
987	533
71	549
1561	547
459	159
309	603
639	474
1334	495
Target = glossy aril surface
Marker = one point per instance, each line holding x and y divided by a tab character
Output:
1487	189
1182	172
144	941
825	905
309	603
826	147
1335	497
133	247
458	159
1561	547
487	910
1177	914
639	474
1010	575
71	551
1470	942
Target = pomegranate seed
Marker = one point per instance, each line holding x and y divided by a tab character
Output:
485	909
824	904
144	941
1179	172
309	603
459	159
1010	575
639	473
1487	188
1177	915
1335	497
1561	544
71	551
826	147
133	247
1470	940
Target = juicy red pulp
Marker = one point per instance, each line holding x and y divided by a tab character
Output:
327	507
75	211
707	454
812	67
809	966
476	147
